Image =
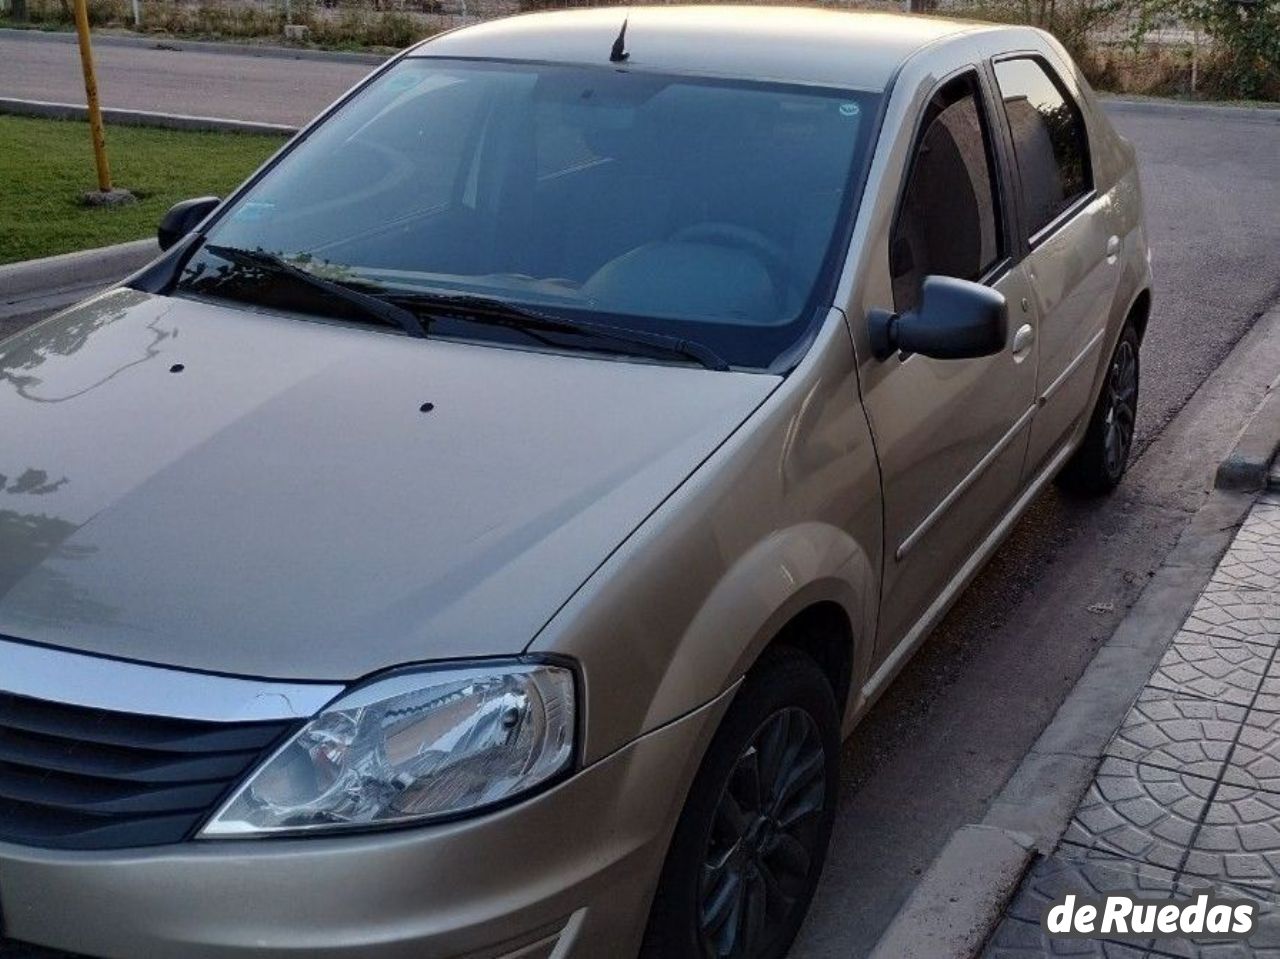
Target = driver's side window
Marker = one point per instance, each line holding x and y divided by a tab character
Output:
949	221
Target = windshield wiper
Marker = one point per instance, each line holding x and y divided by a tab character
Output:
402	310
495	312
376	307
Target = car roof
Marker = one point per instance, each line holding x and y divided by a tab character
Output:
849	49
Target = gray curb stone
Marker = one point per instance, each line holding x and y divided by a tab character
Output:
140	118
945	918
1247	465
102	265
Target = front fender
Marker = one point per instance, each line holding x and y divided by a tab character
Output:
783	575
786	513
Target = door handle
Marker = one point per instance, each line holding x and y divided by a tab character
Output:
1022	341
1113	248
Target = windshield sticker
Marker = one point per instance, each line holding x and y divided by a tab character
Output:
252	212
400	82
848	109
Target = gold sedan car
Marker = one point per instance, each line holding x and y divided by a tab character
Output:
474	536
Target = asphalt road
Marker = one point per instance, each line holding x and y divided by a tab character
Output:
954	726
156	77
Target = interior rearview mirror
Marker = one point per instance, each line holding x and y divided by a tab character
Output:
182	218
955	319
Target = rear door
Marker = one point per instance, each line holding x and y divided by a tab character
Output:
1072	259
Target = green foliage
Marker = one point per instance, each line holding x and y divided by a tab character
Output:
348	25
1073	22
361	26
46	165
1246	63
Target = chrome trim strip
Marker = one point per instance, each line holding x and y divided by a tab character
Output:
80	679
959	489
1071	368
1062	219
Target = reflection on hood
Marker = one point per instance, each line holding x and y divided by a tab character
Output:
223	489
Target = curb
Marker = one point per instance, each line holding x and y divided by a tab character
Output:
82	268
945	918
141	118
164	42
1249	462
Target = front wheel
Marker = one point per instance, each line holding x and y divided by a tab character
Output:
749	847
1102	458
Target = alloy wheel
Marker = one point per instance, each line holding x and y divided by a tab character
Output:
1122	401
763	836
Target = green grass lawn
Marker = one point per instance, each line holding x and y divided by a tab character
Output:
47	165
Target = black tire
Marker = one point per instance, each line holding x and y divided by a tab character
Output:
1099	464
750	903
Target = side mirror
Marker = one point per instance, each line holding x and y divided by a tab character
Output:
955	319
182	218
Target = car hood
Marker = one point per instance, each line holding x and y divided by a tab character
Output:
221	489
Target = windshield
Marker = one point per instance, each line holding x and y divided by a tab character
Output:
698	208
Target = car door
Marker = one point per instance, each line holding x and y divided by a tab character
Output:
950	434
1072	259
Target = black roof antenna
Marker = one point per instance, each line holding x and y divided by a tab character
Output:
619	52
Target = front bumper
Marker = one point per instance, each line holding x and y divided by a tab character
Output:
570	872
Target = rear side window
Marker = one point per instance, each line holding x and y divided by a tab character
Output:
1049	139
949	221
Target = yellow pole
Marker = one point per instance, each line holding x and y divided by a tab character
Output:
91	97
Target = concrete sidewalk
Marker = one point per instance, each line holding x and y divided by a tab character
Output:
1187	796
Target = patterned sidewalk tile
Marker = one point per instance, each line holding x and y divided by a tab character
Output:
1015	939
1178	733
1255	759
1020	933
1221	670
1262	943
1253	560
1268	698
1021	936
1144	813
1187	798
1239	841
1226	610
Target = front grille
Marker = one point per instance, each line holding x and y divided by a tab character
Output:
78	778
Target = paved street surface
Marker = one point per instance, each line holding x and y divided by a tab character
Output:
262	89
950	731
1187	798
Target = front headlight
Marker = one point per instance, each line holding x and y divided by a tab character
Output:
412	747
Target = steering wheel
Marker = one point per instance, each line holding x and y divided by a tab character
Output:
717	233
